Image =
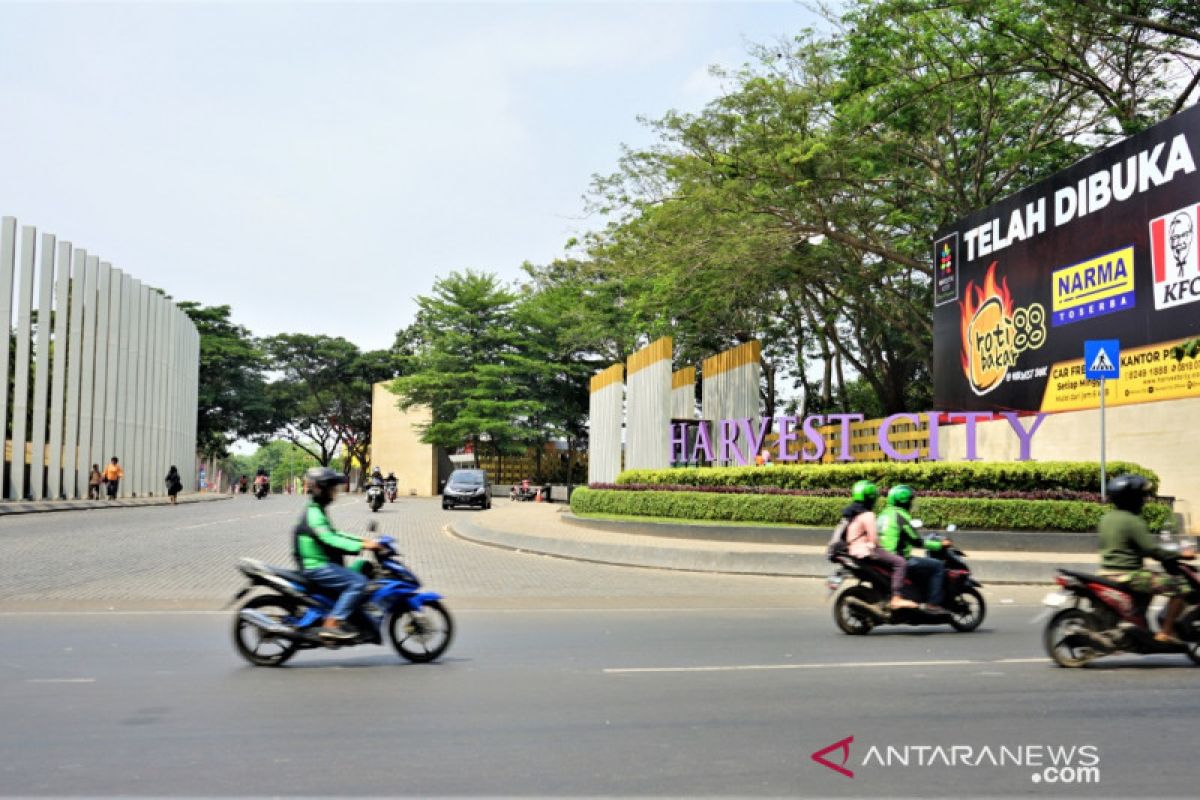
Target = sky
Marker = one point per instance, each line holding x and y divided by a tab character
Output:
317	166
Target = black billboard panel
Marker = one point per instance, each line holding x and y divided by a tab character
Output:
1106	249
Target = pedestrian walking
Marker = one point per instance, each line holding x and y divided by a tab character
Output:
112	477
174	484
95	478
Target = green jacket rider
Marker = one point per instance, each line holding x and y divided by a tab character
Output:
897	535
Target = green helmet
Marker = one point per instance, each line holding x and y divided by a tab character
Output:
901	496
864	492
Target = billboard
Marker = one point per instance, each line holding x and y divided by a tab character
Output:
1106	249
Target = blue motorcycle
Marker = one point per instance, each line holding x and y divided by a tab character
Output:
270	628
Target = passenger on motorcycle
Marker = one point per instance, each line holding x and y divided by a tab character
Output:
862	538
1125	540
320	549
898	536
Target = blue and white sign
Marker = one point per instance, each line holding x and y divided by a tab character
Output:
1102	358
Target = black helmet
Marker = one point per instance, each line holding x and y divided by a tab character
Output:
1128	492
321	479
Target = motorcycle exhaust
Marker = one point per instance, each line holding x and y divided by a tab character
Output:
874	610
262	621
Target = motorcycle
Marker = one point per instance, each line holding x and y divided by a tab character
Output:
261	490
389	491
375	496
269	629
866	604
522	493
1094	616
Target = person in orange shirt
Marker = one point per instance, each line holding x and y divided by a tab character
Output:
112	477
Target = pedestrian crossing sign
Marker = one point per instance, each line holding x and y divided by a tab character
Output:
1102	358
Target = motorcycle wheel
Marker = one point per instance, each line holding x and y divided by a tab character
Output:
423	636
967	610
1063	624
850	619
1188	629
254	644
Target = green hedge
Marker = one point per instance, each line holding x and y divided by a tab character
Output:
1082	476
937	512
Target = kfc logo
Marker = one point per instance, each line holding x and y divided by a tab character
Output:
1176	257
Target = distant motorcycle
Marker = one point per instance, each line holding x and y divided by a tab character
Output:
375	496
269	629
389	491
1098	616
261	490
861	607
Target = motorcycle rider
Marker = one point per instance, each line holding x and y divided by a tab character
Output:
862	538
320	548
260	478
1125	541
377	477
897	535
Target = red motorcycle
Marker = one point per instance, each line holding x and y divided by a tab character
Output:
1104	617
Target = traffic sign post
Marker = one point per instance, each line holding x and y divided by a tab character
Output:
1101	361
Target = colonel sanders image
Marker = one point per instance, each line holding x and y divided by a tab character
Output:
1181	240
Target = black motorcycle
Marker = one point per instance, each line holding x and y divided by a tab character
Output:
1095	616
375	496
389	491
261	490
866	604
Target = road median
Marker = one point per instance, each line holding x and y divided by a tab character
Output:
729	549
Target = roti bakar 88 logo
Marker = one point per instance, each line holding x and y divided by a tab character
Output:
994	332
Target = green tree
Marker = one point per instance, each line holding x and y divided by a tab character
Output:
467	366
322	400
232	397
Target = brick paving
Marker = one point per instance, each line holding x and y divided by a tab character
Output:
184	557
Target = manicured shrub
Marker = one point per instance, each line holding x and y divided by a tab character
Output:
968	513
950	476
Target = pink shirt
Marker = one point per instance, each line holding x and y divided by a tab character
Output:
862	536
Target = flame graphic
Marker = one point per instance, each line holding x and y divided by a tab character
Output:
969	307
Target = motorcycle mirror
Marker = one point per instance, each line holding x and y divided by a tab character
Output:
951	528
372	527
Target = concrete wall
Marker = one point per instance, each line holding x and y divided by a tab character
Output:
396	444
648	407
683	394
122	381
1161	436
731	391
605	417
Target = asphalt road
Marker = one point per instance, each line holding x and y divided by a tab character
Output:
593	681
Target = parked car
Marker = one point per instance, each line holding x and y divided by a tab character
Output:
467	487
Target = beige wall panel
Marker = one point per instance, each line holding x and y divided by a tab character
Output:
396	444
648	407
683	394
731	390
1157	435
606	409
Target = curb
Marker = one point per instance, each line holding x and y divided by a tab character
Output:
1014	541
732	562
8	509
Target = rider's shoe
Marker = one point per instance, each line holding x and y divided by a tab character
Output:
936	610
341	633
902	602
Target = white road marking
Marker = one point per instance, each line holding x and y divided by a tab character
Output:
833	665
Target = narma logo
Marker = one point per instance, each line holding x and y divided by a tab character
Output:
844	748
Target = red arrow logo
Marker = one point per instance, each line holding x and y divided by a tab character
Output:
844	747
